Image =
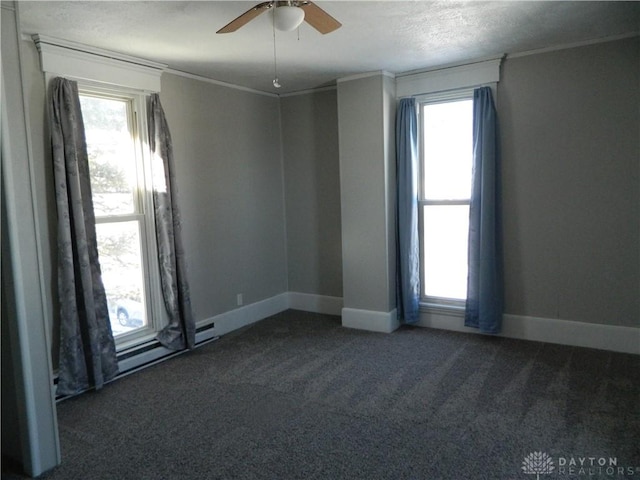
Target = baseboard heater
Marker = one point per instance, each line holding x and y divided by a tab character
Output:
142	356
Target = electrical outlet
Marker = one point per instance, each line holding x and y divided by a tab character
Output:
239	299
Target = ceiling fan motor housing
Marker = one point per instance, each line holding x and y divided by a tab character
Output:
288	17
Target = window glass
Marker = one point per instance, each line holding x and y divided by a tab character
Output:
445	250
122	274
112	160
446	169
115	173
447	136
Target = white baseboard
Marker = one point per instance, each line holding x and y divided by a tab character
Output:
241	317
315	303
385	322
234	319
565	332
578	334
550	330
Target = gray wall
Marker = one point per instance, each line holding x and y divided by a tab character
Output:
230	189
389	103
44	194
571	159
30	404
312	192
12	437
571	179
365	165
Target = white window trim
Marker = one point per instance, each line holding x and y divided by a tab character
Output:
444	96
155	309
438	85
81	62
452	78
431	303
106	73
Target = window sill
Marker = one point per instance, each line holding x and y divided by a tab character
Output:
456	309
137	346
134	340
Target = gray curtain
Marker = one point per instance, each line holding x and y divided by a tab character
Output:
485	284
408	243
87	349
180	332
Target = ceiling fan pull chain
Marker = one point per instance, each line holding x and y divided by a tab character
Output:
276	82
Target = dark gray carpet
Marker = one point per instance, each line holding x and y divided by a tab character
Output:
297	396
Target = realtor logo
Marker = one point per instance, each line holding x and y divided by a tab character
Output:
537	463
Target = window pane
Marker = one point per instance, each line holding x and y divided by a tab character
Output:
447	147
121	265
111	155
445	239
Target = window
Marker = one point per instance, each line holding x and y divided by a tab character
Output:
446	138
125	231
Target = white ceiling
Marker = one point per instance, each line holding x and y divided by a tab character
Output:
395	36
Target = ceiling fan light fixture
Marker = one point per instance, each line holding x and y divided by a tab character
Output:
288	18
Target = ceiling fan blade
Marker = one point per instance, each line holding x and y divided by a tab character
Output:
319	19
246	17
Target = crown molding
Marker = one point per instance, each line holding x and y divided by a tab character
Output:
201	78
309	91
83	62
45	40
455	77
567	46
358	76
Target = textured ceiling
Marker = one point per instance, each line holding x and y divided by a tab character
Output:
396	36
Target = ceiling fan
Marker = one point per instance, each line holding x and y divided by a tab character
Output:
288	15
